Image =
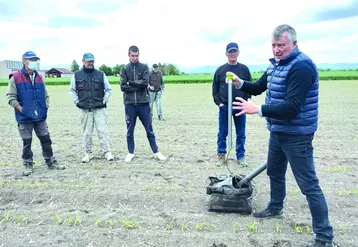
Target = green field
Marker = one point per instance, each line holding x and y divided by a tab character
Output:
207	78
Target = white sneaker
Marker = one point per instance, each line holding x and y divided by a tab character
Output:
129	157
87	158
159	156
109	156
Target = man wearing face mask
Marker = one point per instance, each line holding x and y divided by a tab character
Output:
220	96
28	96
156	89
134	84
90	92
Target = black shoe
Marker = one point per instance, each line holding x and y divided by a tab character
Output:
52	164
29	168
266	213
319	243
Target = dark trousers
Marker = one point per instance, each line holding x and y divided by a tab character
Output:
240	129
144	113
298	151
41	130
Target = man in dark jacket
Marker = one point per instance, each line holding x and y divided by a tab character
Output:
90	92
220	95
134	84
291	111
27	94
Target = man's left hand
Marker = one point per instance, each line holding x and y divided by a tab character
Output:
248	107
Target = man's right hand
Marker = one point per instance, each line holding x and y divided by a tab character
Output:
18	108
236	81
151	87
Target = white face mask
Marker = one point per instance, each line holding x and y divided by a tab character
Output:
155	69
34	65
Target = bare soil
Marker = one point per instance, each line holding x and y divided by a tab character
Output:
153	203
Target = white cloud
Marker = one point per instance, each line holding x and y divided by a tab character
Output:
189	33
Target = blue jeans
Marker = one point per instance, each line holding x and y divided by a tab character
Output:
240	127
298	151
143	112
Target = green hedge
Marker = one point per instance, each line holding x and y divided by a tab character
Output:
115	80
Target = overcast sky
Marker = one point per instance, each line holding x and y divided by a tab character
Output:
188	33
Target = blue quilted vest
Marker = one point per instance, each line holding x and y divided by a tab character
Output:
31	97
306	121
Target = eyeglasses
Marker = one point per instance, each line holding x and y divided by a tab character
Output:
233	51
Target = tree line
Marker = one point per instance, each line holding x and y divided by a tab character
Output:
165	68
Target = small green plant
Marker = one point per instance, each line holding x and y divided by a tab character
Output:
128	224
78	221
58	219
96	166
336	169
277	228
5	217
253	227
236	227
69	221
301	228
20	219
99	223
184	227
170	225
204	226
111	223
342	230
37	164
298	228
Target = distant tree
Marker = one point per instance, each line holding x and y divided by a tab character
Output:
74	66
106	70
117	69
169	69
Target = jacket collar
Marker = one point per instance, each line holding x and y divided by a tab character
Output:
24	72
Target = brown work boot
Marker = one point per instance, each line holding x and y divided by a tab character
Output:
221	159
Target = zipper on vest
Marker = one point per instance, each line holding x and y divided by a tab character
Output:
34	92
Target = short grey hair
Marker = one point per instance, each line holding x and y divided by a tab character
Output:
279	30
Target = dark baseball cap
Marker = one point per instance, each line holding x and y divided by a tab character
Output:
232	46
155	65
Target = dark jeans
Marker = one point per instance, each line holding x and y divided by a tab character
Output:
144	113
298	151
240	127
41	130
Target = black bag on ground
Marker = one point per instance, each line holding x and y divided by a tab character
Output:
224	195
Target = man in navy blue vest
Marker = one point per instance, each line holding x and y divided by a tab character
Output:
291	111
28	96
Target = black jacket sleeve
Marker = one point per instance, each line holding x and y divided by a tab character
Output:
216	88
142	83
125	86
300	80
255	88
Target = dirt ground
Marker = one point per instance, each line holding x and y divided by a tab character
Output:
152	203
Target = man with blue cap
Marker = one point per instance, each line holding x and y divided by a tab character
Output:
28	96
220	96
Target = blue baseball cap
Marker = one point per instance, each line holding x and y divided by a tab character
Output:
88	57
29	54
232	46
